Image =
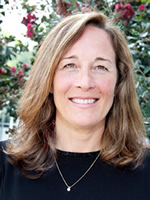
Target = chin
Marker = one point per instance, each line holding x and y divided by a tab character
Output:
87	125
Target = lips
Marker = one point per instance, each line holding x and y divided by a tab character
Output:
84	101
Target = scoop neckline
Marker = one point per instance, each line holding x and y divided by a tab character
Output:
74	154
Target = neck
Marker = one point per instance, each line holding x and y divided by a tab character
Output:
73	139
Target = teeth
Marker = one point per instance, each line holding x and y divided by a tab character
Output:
84	101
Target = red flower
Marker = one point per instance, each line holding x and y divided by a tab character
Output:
85	8
29	19
20	73
142	7
29	34
77	4
30	31
20	76
118	7
129	11
126	11
62	7
29	26
24	66
24	20
13	69
1	71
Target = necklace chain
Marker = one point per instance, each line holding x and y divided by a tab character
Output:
81	177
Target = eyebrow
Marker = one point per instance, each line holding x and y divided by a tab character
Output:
103	59
70	57
96	59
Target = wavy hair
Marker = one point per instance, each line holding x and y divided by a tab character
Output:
33	147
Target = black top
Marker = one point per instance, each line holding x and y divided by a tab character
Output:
102	182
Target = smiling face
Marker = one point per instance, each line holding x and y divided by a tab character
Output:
85	80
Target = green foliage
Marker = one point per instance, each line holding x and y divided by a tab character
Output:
132	18
137	32
11	79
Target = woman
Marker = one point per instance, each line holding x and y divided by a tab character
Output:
81	133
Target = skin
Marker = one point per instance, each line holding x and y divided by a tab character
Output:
84	87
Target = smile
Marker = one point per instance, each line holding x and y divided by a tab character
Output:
84	101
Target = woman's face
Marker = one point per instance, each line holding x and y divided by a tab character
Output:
85	80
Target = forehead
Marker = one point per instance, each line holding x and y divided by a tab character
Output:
93	41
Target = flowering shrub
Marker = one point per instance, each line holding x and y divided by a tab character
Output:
62	8
132	18
142	7
29	21
12	69
30	31
12	80
125	12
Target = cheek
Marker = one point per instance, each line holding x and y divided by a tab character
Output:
61	83
107	86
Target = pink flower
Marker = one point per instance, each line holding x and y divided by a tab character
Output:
20	76
29	19
29	34
30	31
85	8
118	6
20	72
126	12
13	69
62	8
142	7
1	71
29	26
77	4
129	11
24	66
24	20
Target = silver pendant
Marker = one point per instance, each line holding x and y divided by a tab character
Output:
68	189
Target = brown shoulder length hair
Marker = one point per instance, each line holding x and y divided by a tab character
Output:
33	147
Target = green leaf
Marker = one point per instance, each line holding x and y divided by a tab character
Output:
146	70
144	34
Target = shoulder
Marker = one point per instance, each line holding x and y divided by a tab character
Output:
3	160
3	156
144	168
3	144
146	161
6	168
2	147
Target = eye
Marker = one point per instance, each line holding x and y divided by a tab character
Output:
101	67
70	66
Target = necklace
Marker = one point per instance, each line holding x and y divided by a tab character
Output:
81	177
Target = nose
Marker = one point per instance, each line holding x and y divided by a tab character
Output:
85	80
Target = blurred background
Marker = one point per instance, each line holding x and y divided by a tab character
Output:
25	23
